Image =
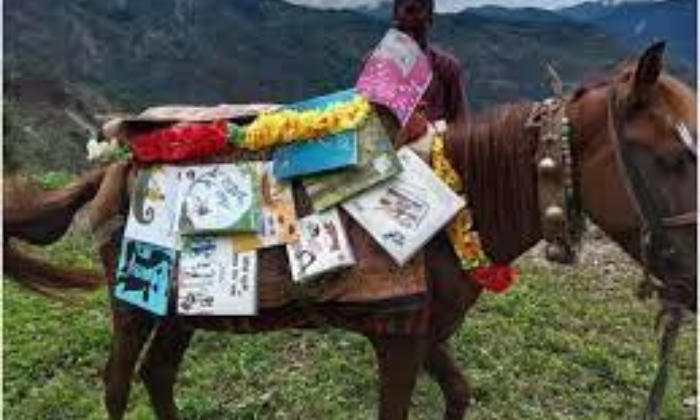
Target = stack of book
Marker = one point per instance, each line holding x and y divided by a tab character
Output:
202	225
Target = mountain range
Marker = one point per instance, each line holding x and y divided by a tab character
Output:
639	23
68	62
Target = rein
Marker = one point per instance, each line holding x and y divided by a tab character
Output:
655	248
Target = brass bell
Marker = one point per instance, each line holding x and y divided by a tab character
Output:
547	166
554	214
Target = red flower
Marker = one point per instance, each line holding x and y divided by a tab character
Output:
179	142
496	278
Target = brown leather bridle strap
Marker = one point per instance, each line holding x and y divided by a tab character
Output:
633	185
654	225
681	220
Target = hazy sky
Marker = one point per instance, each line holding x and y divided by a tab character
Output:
446	5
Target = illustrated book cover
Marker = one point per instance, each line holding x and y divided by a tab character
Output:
153	210
219	199
396	75
215	280
278	221
144	275
323	247
404	213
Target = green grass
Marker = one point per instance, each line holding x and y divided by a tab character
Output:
562	344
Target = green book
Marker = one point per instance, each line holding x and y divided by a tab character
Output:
377	163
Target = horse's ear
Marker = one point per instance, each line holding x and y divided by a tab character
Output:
649	68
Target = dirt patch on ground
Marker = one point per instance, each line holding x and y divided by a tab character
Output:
598	254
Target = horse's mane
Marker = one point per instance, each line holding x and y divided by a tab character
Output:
501	180
680	99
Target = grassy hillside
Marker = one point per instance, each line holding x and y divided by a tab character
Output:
562	344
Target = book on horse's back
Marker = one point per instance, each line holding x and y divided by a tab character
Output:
153	211
278	221
308	157
323	247
396	75
219	199
378	162
404	213
144	275
215	280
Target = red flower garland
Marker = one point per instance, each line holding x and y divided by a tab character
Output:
180	142
496	278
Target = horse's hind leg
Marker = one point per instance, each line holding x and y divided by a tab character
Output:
399	359
131	330
457	392
159	368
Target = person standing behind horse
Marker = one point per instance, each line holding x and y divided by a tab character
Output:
444	99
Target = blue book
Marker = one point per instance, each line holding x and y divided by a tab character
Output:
332	152
144	275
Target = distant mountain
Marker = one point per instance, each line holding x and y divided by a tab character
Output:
123	55
523	14
638	23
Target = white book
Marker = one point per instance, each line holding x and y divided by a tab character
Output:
153	212
323	247
404	213
218	199
214	280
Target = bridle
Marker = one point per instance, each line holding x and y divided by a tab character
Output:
655	247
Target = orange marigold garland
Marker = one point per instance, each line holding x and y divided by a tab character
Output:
465	241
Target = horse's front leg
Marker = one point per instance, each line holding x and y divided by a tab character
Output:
400	359
457	392
161	364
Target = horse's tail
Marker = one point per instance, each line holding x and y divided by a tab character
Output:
43	277
42	217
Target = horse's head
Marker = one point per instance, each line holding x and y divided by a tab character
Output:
634	147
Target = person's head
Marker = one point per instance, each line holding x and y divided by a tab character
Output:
414	17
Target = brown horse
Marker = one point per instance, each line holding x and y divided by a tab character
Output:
638	104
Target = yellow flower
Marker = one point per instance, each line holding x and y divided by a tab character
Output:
285	126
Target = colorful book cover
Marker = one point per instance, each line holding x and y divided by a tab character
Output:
396	75
332	152
218	199
153	212
215	280
278	222
378	162
323	247
144	275
407	211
